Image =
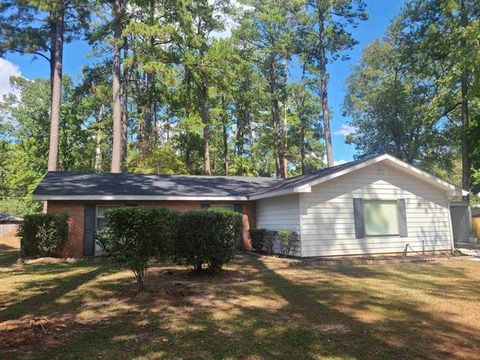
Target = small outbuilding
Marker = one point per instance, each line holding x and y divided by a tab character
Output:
9	224
371	206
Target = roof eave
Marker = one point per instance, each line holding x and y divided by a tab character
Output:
287	191
42	197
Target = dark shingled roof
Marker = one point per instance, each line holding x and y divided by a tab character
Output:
8	219
64	184
60	183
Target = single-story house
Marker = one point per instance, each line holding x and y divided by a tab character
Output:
9	224
371	206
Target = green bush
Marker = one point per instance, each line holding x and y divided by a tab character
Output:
43	234
134	235
269	241
289	242
258	237
208	236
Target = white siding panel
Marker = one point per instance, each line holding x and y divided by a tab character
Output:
279	213
327	222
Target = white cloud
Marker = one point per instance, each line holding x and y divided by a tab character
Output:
229	21
346	130
339	162
7	69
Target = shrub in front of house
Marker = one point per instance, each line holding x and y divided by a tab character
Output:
134	235
43	234
269	241
258	237
289	242
208	237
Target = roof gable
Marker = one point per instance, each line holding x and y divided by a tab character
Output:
304	183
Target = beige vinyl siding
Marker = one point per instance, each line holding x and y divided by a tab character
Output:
327	218
279	213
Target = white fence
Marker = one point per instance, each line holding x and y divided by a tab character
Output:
7	229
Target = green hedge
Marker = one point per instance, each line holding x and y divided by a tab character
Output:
289	242
134	235
208	236
269	241
43	234
258	238
263	240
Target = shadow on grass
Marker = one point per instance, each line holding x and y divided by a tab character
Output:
269	314
8	257
48	292
428	278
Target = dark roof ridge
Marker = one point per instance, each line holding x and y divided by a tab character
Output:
58	172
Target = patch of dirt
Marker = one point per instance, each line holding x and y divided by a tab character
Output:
50	260
157	276
28	333
332	329
171	293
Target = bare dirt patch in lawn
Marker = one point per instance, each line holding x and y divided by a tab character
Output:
28	334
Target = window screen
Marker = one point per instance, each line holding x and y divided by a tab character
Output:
381	218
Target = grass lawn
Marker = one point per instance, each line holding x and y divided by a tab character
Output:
258	308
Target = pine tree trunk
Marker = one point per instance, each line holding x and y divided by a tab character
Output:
99	138
279	160
124	98
465	114
302	122
285	130
225	136
276	134
117	147
465	139
56	87
324	85
302	146
205	115
148	113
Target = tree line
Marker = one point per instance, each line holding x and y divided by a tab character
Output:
235	87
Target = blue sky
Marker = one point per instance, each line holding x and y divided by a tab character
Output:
380	14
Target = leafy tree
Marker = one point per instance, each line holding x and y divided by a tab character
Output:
199	60
93	97
386	102
441	39
305	110
170	164
267	28
40	28
28	112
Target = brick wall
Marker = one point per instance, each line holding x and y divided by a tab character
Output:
75	209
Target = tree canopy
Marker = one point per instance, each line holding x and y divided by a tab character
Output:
206	87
